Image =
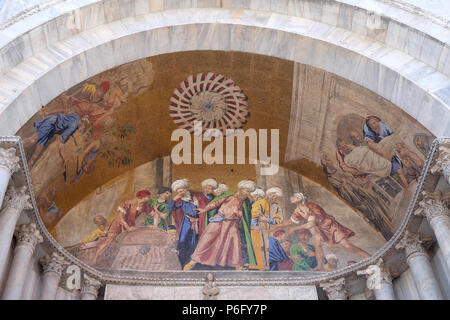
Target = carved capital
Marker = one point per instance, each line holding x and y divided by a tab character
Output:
9	160
28	236
442	163
90	286
377	275
17	199
433	205
335	289
53	263
412	245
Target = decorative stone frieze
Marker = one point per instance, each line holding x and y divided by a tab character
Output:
28	235
53	263
442	164
335	289
9	160
412	246
89	290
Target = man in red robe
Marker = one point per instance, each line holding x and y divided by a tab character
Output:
220	244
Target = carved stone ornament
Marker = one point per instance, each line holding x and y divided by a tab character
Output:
17	199
9	160
335	289
28	236
412	245
53	263
377	274
433	205
90	286
442	164
210	290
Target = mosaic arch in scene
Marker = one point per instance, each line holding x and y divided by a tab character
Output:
107	190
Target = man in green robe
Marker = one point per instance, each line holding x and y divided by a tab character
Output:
160	203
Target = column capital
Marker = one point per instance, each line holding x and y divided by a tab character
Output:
433	205
9	160
90	286
18	199
442	163
53	263
28	236
412	245
377	274
335	289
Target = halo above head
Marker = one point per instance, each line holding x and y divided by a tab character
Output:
276	191
180	184
369	116
247	184
209	182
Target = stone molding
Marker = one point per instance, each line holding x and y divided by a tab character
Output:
412	246
9	160
434	205
28	236
53	263
335	289
442	164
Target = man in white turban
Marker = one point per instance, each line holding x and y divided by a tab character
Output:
257	194
265	212
221	244
205	197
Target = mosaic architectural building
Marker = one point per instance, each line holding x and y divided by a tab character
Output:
225	149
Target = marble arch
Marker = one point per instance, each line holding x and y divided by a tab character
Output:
388	72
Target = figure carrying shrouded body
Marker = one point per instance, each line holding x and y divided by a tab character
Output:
322	226
125	218
220	244
189	231
160	215
265	212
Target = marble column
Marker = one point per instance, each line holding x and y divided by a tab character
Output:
442	163
17	201
53	266
9	163
379	280
420	267
335	289
28	236
89	290
434	207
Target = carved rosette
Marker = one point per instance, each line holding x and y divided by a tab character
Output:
433	205
53	263
335	289
28	236
18	200
442	164
412	246
377	275
90	286
9	160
